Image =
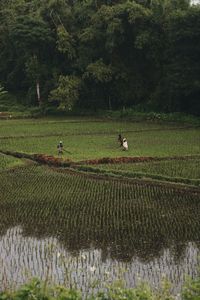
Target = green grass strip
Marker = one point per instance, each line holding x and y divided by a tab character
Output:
139	175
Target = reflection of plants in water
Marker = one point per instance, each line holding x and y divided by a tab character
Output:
4	281
92	283
47	259
123	219
53	252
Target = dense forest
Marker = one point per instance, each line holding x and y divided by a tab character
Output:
102	54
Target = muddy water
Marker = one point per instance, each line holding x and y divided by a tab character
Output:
87	233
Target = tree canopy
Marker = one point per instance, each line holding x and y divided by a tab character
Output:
102	54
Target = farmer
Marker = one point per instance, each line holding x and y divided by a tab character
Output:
125	144
120	140
60	148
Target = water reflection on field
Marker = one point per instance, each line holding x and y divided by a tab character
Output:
88	270
83	232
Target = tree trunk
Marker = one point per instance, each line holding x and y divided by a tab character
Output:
109	103
38	92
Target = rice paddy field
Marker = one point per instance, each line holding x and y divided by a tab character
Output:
181	168
86	139
88	229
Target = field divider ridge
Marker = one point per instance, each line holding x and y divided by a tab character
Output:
138	175
41	158
80	167
102	175
134	159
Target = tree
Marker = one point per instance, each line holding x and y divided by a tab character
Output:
26	41
101	75
2	91
32	40
180	85
34	71
67	92
65	43
120	52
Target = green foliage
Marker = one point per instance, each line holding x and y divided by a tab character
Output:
99	72
37	290
140	113
67	92
30	34
33	68
180	82
65	42
2	91
127	52
191	290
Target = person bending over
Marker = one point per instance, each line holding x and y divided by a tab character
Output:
125	144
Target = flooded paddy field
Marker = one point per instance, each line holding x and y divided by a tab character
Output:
86	232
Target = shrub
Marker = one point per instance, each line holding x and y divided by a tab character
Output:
38	290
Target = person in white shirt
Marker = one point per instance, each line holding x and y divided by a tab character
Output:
125	144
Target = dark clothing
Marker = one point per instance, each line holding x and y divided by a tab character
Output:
120	140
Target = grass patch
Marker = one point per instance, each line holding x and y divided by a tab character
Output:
9	162
38	290
135	115
74	126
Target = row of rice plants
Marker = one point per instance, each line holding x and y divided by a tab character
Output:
128	218
189	168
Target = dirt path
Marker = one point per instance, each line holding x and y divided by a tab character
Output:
60	162
136	159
